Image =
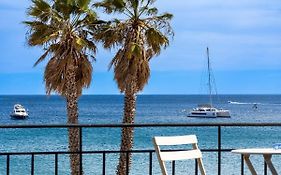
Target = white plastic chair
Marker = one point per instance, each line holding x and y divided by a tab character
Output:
173	155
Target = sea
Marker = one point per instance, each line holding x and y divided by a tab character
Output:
108	109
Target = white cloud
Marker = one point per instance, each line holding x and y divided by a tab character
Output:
242	34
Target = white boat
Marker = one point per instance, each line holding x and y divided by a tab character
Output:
208	110
19	112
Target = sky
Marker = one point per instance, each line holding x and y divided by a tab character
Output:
244	38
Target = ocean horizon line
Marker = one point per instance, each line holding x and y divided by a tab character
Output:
242	94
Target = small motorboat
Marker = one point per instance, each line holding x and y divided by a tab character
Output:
19	112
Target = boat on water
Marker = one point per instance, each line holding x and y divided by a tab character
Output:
208	110
19	112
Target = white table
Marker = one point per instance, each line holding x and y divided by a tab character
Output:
267	154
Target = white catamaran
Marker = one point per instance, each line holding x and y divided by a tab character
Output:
208	110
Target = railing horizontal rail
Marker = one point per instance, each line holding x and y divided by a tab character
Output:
99	152
141	125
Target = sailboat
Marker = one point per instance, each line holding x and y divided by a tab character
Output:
208	110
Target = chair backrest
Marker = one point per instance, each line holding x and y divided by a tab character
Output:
173	155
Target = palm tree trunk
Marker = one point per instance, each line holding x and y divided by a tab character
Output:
72	112
127	132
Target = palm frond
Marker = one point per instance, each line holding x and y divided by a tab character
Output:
40	9
155	39
66	36
110	6
41	33
83	4
139	37
41	58
111	36
134	4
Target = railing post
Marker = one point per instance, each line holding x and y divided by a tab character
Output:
8	164
242	164
56	164
150	163
265	168
80	151
32	164
103	163
196	167
173	167
219	150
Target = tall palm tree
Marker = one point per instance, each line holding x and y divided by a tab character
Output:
138	37
63	28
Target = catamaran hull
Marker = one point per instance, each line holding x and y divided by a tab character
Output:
203	114
210	114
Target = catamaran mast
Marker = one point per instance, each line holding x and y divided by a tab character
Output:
209	79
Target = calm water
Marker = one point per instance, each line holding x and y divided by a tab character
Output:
150	109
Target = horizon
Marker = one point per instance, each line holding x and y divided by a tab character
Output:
243	38
145	95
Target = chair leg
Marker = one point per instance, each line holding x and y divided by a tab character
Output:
163	167
267	159
201	166
161	163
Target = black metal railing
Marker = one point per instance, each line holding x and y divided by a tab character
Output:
217	150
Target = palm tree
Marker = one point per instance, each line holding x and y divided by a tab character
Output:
138	37
63	28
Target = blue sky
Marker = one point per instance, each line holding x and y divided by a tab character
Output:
243	37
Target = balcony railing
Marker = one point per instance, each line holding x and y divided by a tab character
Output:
150	152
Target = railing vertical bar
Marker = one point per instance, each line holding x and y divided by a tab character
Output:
80	151
103	163
265	168
56	164
219	150
32	164
8	164
173	167
242	164
127	163
196	167
150	163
